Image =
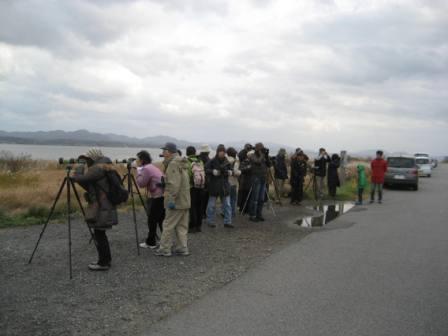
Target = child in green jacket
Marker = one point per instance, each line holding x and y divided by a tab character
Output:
362	183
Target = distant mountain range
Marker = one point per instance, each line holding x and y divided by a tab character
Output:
87	138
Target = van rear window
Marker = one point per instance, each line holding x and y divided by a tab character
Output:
422	161
399	162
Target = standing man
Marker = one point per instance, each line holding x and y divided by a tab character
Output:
320	169
197	185
177	203
204	152
259	162
298	174
150	177
218	171
280	171
379	169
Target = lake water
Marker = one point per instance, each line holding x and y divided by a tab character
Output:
43	152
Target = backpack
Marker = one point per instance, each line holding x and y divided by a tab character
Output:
198	175
117	193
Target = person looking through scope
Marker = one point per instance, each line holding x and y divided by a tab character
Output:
151	178
320	170
259	162
101	214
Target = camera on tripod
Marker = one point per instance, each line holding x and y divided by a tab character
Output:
127	162
77	165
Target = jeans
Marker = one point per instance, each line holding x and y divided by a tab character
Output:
226	209
233	199
257	197
155	219
102	246
374	187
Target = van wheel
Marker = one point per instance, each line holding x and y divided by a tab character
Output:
415	187
429	175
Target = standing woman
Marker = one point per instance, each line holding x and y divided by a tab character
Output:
151	178
333	175
101	214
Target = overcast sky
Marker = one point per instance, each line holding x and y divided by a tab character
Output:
345	74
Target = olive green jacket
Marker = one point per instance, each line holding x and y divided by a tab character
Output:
177	182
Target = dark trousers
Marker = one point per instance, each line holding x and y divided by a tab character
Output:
374	187
332	190
360	192
204	202
297	192
155	218
196	208
102	246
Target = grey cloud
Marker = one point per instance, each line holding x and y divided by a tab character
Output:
48	24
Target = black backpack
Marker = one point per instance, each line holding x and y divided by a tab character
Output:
117	193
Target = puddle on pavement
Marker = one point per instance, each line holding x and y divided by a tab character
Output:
324	213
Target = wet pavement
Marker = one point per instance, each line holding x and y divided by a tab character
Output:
324	214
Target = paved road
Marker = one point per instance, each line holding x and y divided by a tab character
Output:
387	274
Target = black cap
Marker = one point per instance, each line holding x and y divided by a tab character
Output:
170	147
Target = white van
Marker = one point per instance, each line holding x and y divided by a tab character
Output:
424	166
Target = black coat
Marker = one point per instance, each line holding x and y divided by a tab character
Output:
281	172
218	185
298	171
333	175
320	165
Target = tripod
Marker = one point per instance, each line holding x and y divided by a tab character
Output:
131	184
69	184
277	192
313	182
248	197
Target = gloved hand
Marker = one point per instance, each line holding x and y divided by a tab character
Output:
230	173
139	170
171	205
216	172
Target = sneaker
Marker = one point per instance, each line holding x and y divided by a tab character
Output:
260	219
98	267
253	219
372	201
230	226
358	203
144	245
182	253
162	253
380	201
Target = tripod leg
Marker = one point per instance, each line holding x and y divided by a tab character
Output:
247	200
83	212
270	203
48	219
140	195
69	210
134	216
277	193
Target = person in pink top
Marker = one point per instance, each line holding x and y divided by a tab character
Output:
151	178
379	169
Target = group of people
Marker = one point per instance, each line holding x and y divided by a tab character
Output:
183	190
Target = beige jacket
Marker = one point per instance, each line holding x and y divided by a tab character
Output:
177	183
236	172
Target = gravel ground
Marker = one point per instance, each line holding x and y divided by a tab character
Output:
39	299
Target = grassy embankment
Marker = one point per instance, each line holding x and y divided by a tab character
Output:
28	188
